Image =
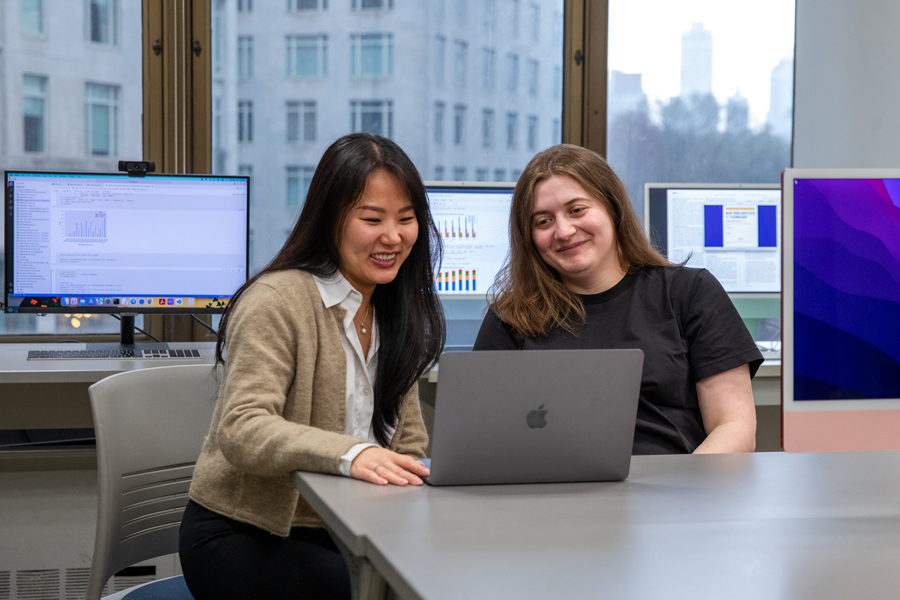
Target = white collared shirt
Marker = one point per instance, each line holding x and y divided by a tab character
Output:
361	370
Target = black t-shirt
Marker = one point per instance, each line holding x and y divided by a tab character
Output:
688	329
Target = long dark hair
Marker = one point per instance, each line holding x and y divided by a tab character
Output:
408	312
528	293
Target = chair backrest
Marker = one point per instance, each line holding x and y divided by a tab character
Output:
150	425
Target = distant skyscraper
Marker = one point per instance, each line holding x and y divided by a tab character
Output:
737	113
781	103
696	61
626	94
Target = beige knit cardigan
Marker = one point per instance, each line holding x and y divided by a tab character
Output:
282	406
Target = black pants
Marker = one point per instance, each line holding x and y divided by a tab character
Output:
223	558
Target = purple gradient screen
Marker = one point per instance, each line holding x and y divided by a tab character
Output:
846	289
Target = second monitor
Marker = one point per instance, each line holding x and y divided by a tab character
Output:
732	230
473	220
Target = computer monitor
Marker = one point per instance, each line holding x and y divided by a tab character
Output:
732	230
473	219
841	310
112	243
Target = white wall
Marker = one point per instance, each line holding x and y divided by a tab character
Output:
847	84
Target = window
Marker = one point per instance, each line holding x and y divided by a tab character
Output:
557	82
516	173
481	174
218	38
440	50
512	130
459	63
459	124
100	21
487	128
490	17
534	10
245	6
459	173
488	68
32	17
499	174
34	99
101	119
557	29
439	173
372	55
556	137
512	72
533	68
307	55
439	123
245	121
245	56
372	116
247	171
532	132
298	180
515	15
301	121
301	5
372	4
218	142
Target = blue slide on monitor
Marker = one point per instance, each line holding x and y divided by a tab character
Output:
732	230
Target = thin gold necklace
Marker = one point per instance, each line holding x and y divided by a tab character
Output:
365	316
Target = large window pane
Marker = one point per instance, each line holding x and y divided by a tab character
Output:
72	103
699	92
469	89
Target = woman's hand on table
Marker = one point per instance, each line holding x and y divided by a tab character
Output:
381	467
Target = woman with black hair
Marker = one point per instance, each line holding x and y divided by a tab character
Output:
324	350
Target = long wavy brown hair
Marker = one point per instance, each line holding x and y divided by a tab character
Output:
528	294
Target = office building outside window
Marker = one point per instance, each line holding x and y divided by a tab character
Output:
481	174
245	121
32	17
372	4
534	21
247	171
34	99
244	6
460	60
439	108
488	68
459	124
532	133
487	128
101	18
372	116
515	17
701	97
245	57
533	70
489	8
499	174
439	173
512	130
371	55
298	180
304	5
512	72
301	121
459	173
307	55
440	52
101	118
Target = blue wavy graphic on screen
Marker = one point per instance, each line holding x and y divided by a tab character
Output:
846	289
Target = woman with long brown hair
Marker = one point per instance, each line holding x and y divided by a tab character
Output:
582	274
322	352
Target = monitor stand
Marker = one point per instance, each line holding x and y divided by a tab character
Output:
126	339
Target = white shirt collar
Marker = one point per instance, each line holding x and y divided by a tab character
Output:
335	289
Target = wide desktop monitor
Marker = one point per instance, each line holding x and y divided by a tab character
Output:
112	243
732	230
841	310
473	219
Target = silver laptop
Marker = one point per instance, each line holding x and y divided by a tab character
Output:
535	416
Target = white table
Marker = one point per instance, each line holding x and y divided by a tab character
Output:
753	526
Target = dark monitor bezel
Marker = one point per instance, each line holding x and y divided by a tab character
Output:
8	247
656	218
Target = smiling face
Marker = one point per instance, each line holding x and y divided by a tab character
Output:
575	235
378	233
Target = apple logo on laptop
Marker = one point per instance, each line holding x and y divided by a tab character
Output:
537	418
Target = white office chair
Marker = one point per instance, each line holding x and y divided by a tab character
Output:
150	425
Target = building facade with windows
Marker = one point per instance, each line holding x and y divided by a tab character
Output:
469	89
